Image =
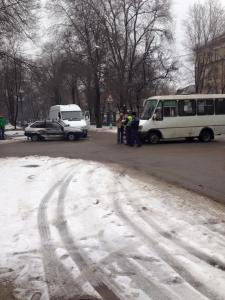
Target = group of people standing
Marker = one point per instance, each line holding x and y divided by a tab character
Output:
127	129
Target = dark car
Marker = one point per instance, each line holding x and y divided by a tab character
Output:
46	130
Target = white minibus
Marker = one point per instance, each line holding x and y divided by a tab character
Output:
72	115
199	116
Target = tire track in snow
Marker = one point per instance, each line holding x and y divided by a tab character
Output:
151	287
205	257
154	288
96	277
60	284
148	286
211	260
203	202
167	257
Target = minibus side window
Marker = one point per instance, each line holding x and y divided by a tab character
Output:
220	106
158	115
205	107
187	107
170	108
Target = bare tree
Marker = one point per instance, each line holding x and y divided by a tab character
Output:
205	23
17	19
121	43
136	32
12	70
87	29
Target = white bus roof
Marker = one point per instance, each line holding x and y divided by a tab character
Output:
192	96
68	107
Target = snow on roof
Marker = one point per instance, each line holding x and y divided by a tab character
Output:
68	107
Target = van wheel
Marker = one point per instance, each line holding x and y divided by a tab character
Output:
205	136
34	138
71	137
153	137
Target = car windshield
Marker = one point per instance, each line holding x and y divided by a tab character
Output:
72	115
148	109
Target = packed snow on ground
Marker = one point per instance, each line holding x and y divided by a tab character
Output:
88	222
13	134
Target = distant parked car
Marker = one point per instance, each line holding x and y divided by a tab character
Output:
46	130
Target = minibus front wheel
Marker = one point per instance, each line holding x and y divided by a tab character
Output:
154	137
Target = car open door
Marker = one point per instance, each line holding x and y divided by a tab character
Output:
87	118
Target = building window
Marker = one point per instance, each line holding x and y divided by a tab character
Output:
205	107
187	107
220	106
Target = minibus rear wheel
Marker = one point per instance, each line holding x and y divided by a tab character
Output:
206	135
154	137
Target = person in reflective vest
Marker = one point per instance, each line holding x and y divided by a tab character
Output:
127	123
134	125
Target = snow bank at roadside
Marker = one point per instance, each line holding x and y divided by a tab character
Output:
104	129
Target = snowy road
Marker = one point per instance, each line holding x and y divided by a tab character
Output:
72	229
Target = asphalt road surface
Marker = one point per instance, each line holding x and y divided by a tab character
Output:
193	165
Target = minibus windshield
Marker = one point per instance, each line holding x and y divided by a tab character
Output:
72	115
149	108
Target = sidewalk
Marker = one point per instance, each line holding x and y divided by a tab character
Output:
12	135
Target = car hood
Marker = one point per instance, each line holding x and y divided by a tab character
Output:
76	124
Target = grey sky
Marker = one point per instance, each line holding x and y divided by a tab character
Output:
179	11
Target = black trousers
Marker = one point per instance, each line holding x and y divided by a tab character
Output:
2	133
128	135
135	139
120	133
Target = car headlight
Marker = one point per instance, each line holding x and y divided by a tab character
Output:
140	127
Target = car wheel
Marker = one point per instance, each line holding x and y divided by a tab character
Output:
205	136
34	138
154	137
71	137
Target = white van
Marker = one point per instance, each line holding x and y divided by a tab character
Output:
71	115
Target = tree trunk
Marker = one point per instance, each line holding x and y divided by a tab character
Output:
97	107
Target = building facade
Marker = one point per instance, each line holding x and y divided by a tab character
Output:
210	67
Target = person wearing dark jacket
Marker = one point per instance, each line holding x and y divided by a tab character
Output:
2	127
120	128
135	139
